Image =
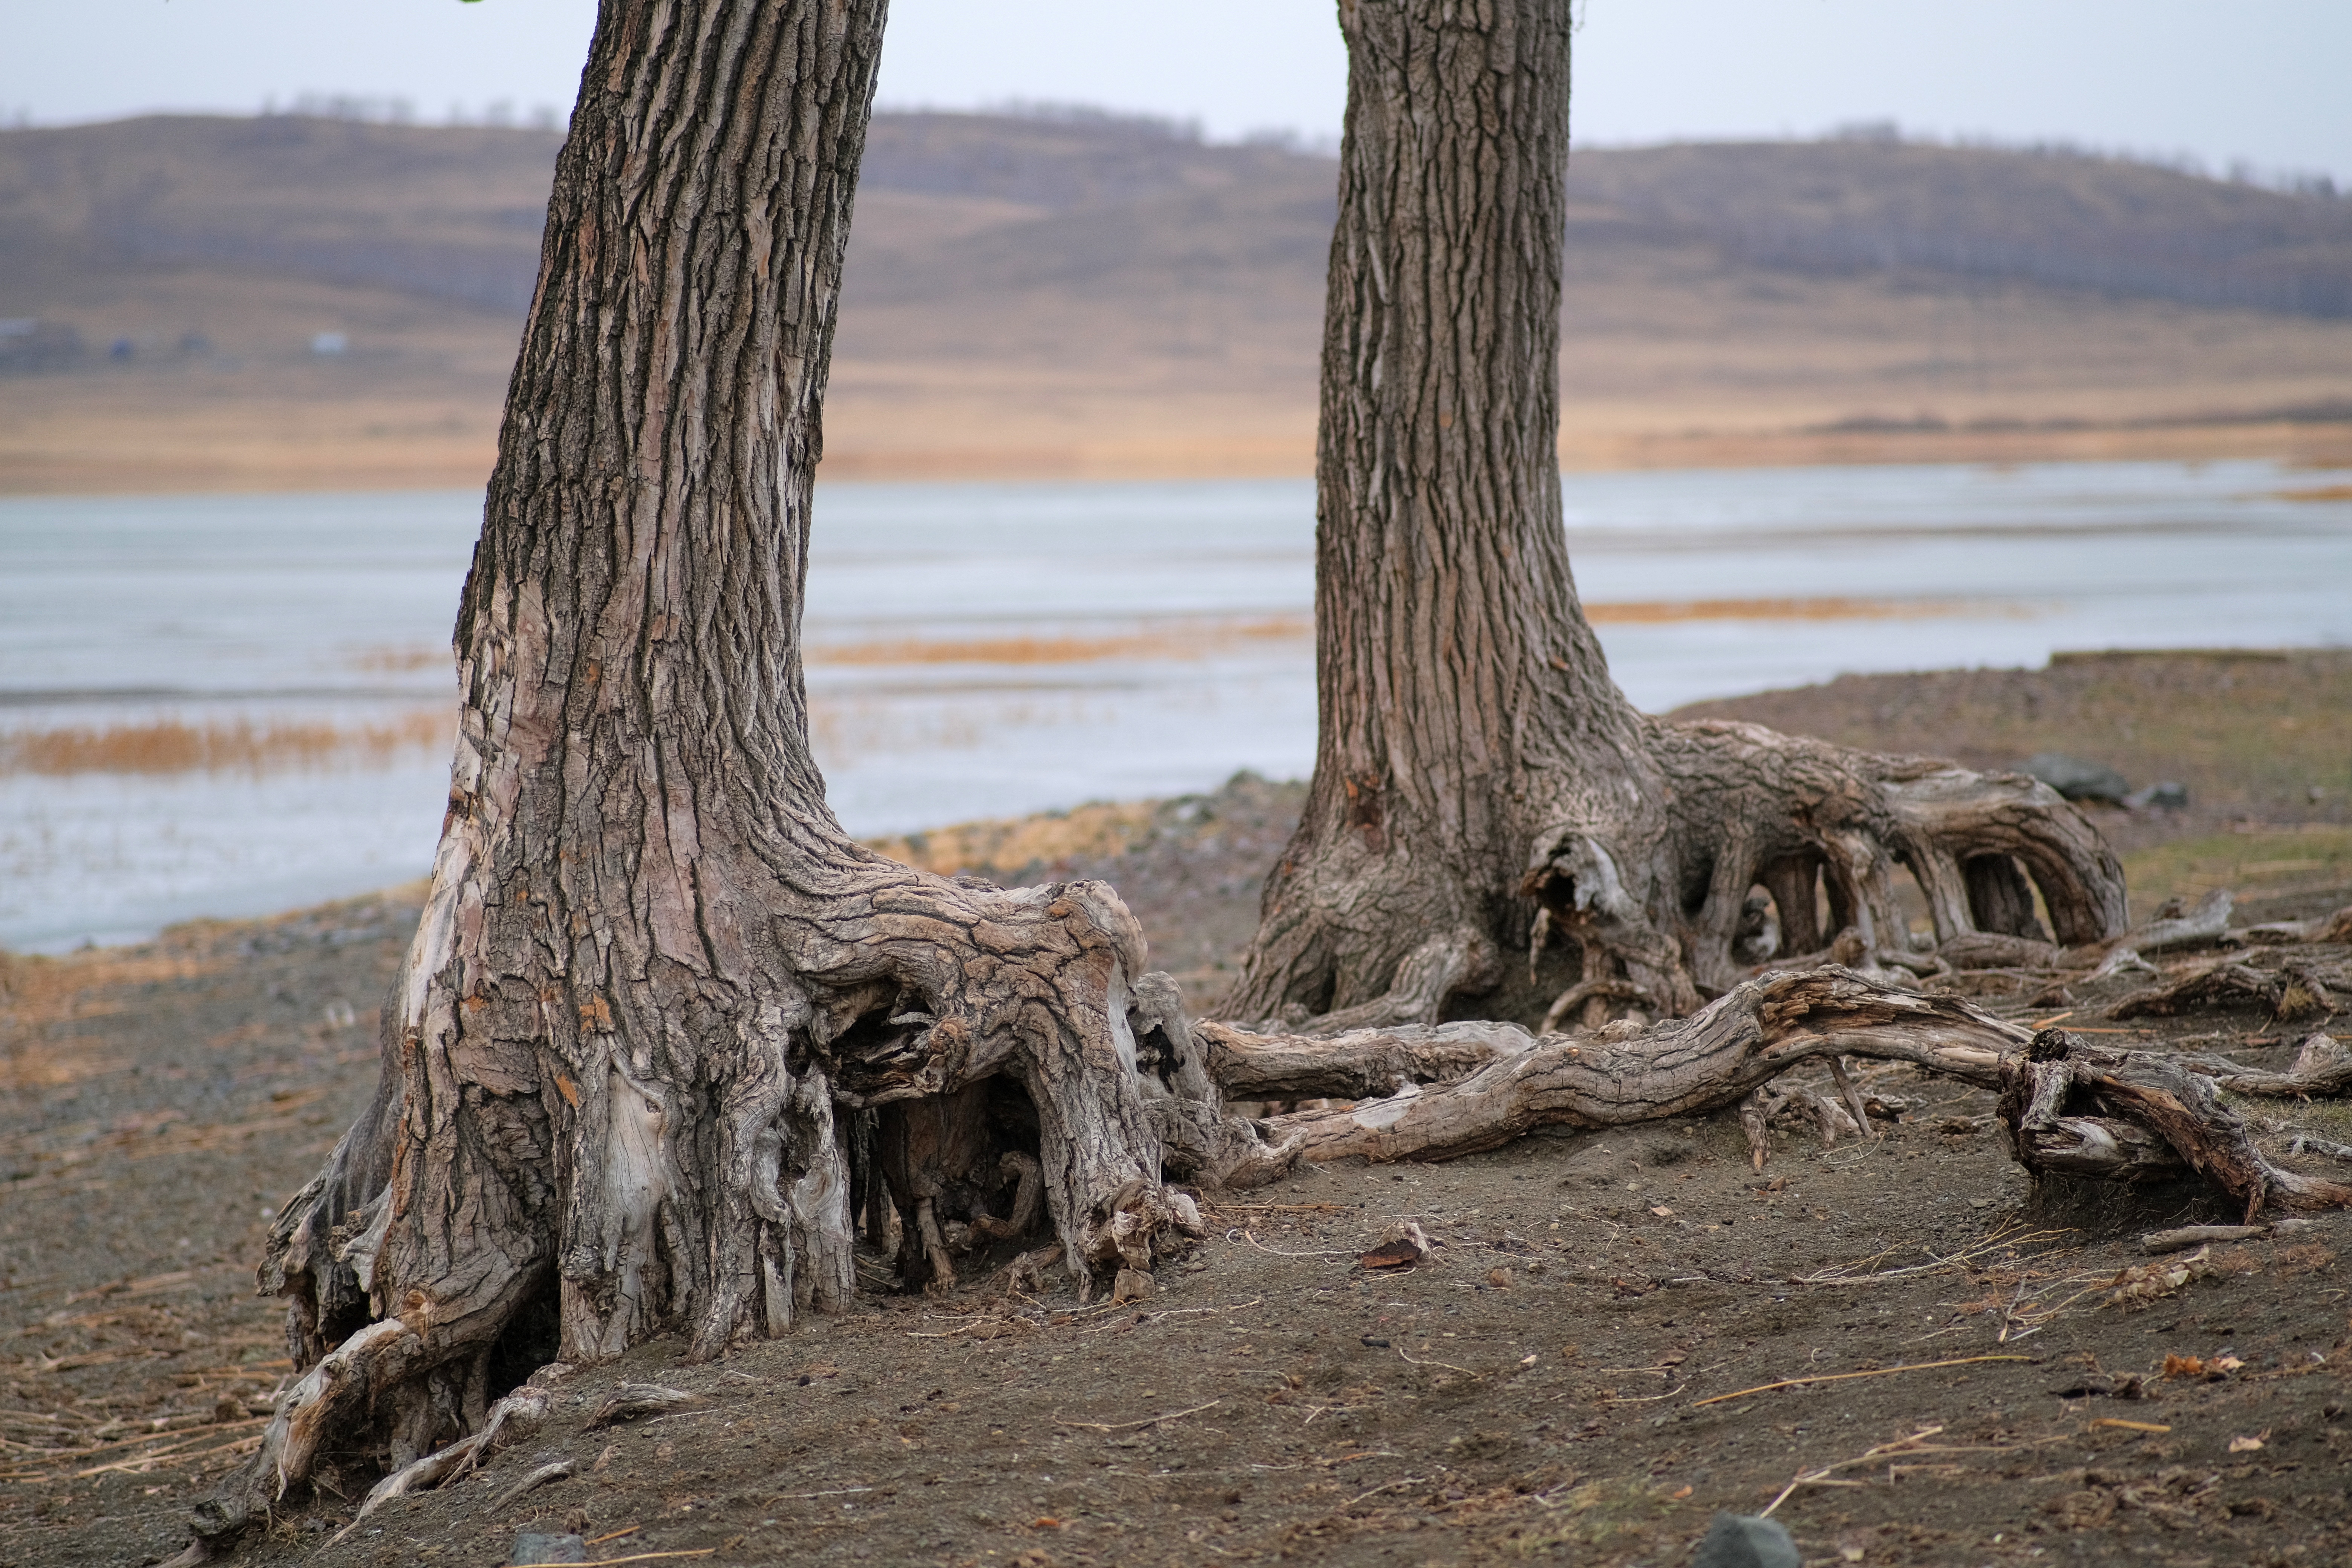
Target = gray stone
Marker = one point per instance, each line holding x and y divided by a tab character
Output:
2165	796
1744	1541
552	1549
2076	779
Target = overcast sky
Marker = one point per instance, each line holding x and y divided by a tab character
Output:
2258	81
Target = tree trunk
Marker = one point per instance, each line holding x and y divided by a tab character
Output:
655	982
1490	818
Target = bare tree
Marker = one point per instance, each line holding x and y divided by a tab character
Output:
1489	816
662	1016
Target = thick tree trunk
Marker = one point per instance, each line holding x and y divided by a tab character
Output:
655	979
1490	818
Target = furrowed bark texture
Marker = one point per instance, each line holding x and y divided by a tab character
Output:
654	978
1490	818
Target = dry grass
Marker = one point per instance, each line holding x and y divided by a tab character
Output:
1191	641
171	746
1202	639
397	660
1662	612
2263	863
1011	843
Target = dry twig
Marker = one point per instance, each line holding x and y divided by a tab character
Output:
1845	1376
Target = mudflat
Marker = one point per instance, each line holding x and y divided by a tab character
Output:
1615	1335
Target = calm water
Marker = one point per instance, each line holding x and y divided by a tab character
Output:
988	649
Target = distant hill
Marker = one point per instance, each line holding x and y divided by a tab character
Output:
455	213
2067	219
1020	287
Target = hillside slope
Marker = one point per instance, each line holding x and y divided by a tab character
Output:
1098	295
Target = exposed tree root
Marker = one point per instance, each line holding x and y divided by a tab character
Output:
1359	1065
1822	829
919	999
2071	1109
2077	1110
1657	903
1681	1066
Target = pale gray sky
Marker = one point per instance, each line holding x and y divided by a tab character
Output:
2261	81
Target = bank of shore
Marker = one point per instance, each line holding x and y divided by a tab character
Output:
160	1099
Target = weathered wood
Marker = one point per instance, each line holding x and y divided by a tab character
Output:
2321	1070
2221	984
1677	1068
2074	1108
1480	786
2180	1239
2172	927
1354	1066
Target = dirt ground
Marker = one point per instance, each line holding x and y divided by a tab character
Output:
1579	1377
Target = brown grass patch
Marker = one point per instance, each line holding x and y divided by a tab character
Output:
1191	641
2318	492
1008	844
2256	861
1199	640
1831	609
402	660
171	746
37	995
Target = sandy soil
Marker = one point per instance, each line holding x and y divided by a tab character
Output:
1552	1388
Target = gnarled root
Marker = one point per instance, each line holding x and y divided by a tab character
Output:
622	1164
1726	845
1683	1066
2078	1109
1673	908
512	1420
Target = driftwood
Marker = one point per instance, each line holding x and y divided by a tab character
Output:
1625	1074
2331	928
2223	984
2295	990
2206	922
2078	1109
1994	950
1359	1065
2180	1239
2321	1070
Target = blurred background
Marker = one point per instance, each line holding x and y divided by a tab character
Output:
1898	337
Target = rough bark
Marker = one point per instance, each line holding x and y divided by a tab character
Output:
1490	823
655	979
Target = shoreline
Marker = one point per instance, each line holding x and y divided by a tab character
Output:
2257	736
187	456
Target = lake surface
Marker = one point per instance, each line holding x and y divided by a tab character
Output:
232	705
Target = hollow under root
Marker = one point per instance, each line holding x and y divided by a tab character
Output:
1673	911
